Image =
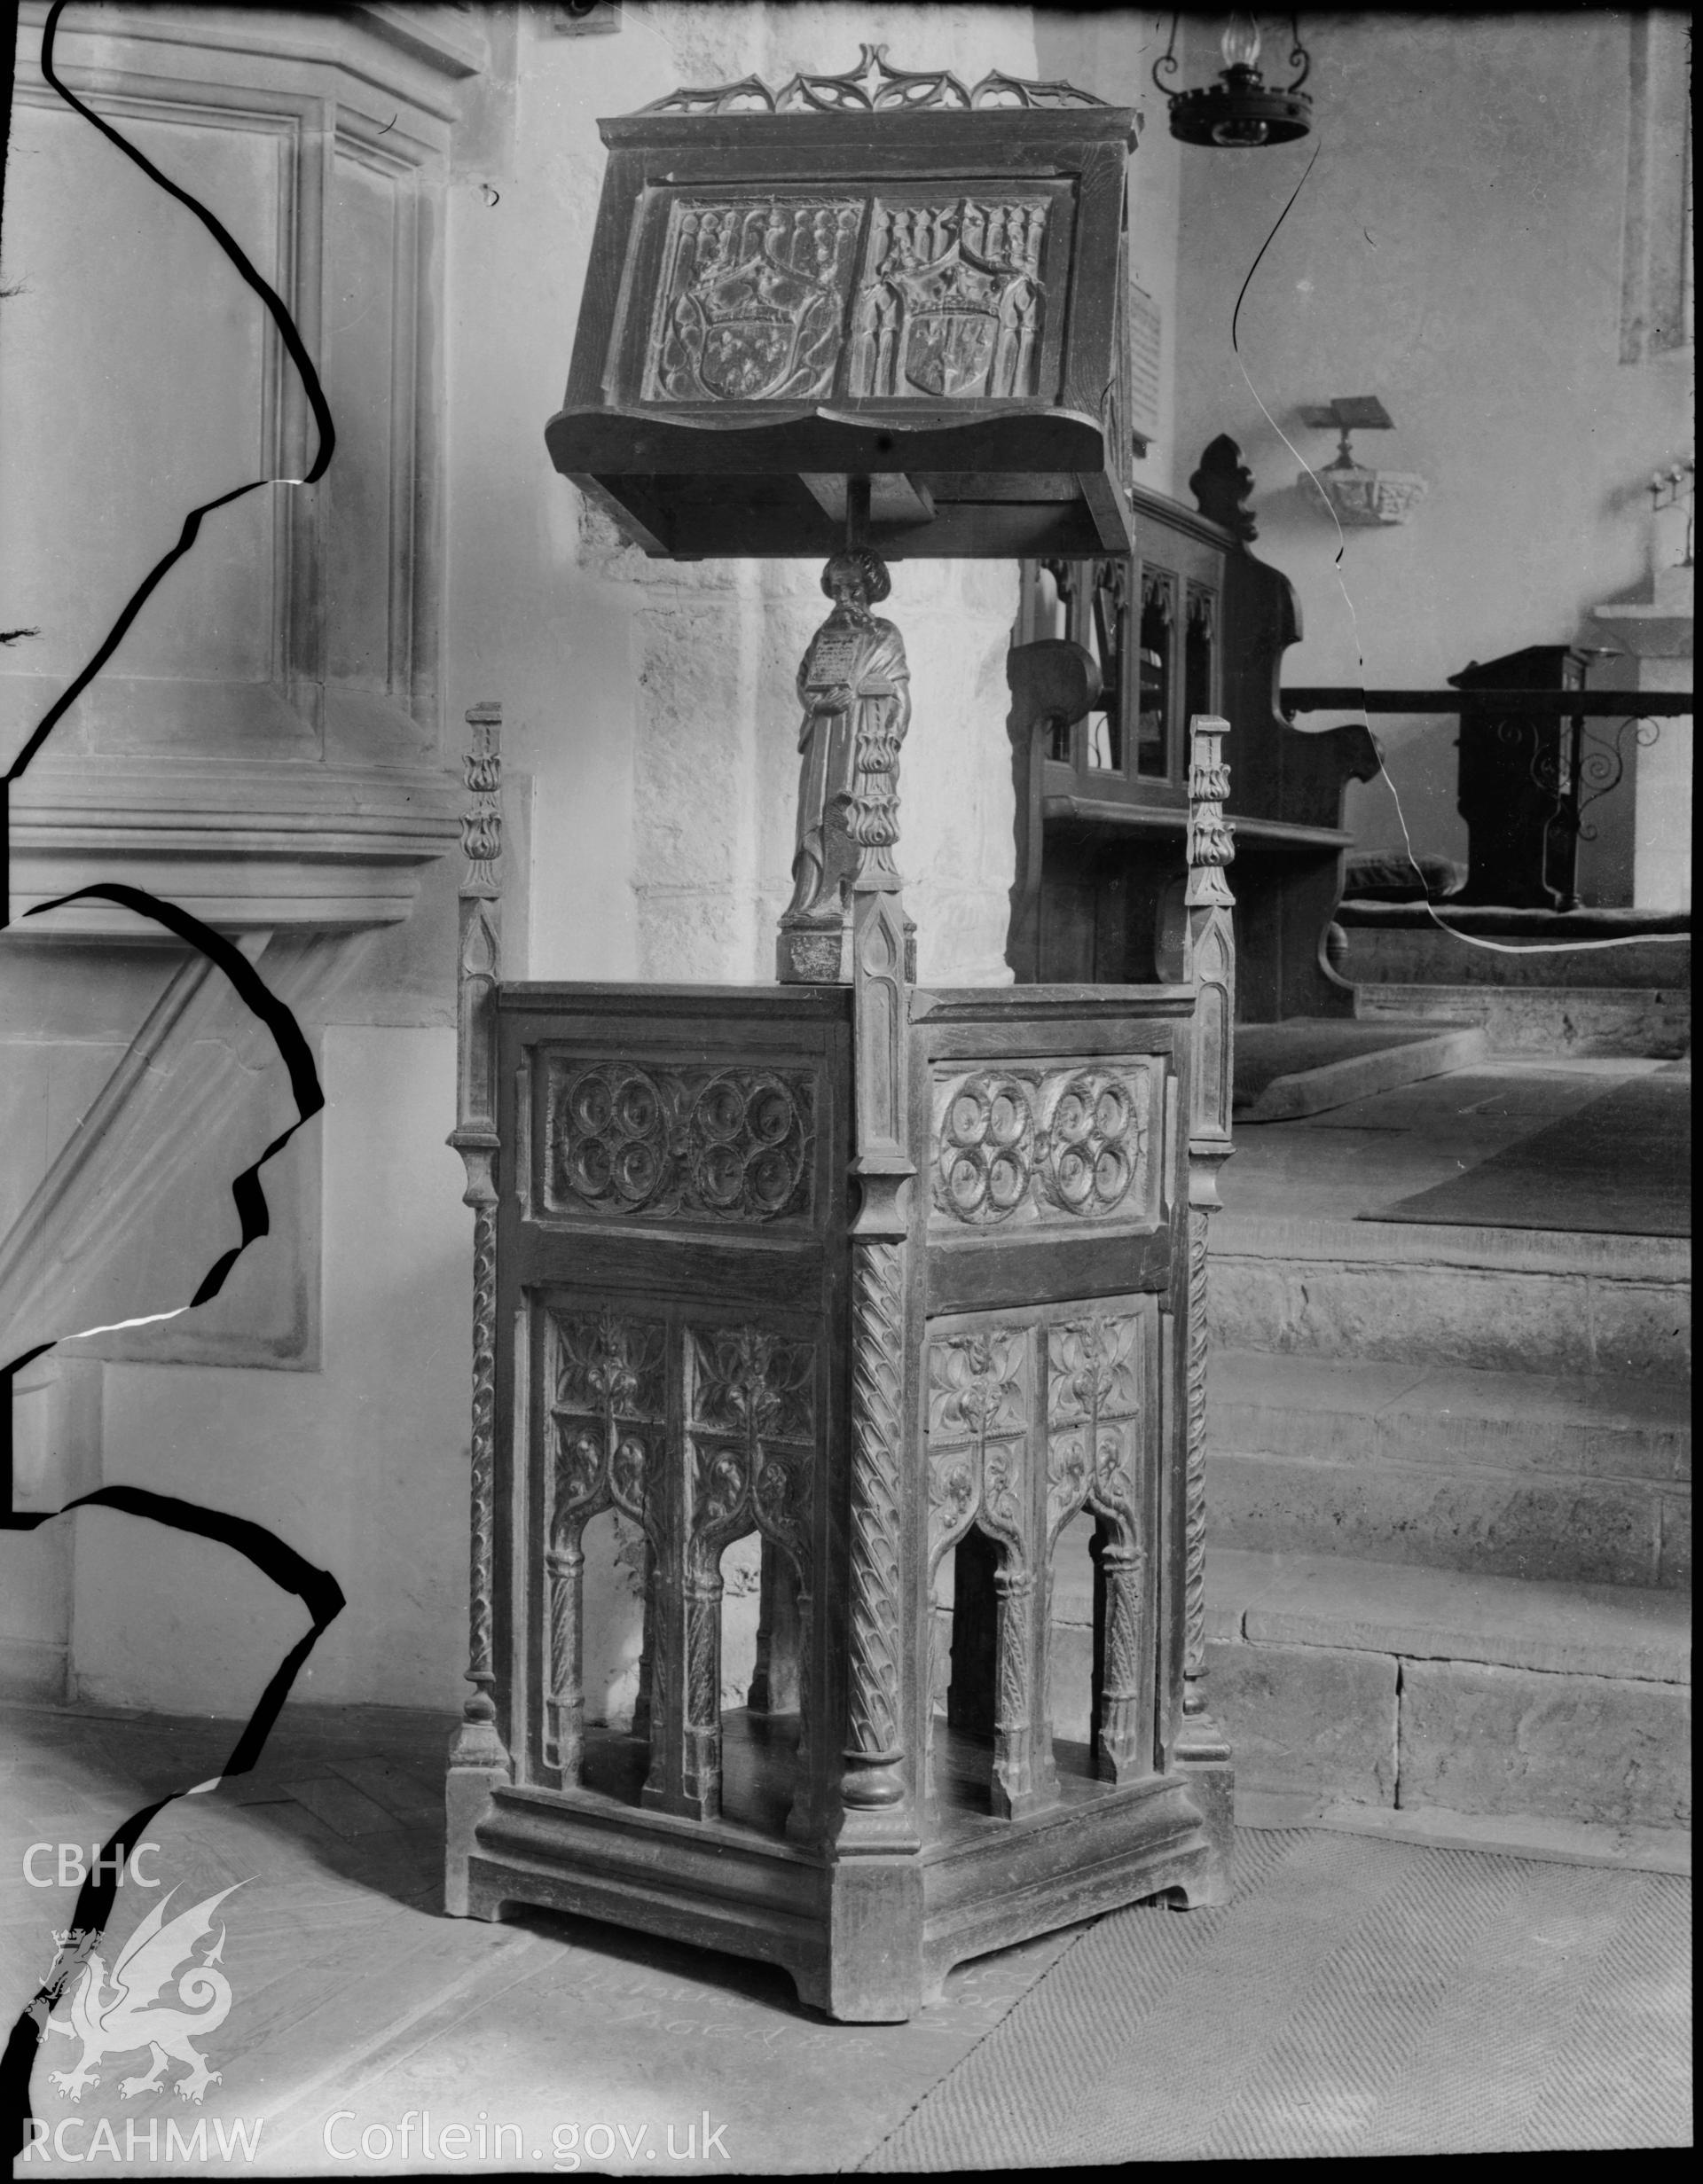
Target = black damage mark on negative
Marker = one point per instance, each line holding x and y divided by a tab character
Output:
322	1598
323	426
316	1588
292	1047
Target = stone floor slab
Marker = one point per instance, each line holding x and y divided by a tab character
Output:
356	2002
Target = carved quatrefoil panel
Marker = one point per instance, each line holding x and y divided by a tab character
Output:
694	1142
1042	1145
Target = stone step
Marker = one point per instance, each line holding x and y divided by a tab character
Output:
1511	1475
1487	1707
1354	1683
1552	1021
1418	953
1496	1300
1309	1065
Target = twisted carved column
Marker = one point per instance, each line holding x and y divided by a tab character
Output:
1016	1777
1119	1752
481	1668
1194	1654
703	1779
872	1786
565	1564
478	1742
873	1741
1212	961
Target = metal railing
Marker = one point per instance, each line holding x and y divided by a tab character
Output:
1570	772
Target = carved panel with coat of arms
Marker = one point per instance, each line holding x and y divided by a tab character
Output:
754	298
951	305
806	296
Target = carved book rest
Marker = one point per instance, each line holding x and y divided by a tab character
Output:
904	1283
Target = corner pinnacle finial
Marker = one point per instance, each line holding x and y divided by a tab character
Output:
481	827
1211	846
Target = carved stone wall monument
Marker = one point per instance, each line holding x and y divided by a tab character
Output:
900	1281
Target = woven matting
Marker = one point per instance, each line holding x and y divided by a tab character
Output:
1621	1165
1357	1996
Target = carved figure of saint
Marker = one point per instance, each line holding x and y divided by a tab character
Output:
854	684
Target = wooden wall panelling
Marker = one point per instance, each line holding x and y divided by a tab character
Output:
332	104
225	760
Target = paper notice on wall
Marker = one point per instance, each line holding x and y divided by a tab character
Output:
1145	345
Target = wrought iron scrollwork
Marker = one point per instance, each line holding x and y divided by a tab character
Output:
1602	764
1167	65
1297	54
1576	778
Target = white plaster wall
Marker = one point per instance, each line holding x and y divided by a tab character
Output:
652	705
1457	251
1111	52
361	1467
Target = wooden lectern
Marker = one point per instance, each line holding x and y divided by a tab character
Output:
901	1280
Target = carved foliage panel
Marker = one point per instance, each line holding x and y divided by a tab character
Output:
702	1433
749	1401
751	1420
1075	1392
730	1144
609	1410
1071	1390
980	1401
799	294
1025	1145
1098	1381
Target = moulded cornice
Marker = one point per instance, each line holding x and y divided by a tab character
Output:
422	53
241	844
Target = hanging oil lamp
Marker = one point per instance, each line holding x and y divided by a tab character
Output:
1241	110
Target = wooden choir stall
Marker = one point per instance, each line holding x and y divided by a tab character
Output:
902	1281
1115	655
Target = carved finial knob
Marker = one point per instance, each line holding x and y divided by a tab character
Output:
482	827
1221	486
1210	844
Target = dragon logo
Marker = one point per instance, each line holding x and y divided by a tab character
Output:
122	2016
